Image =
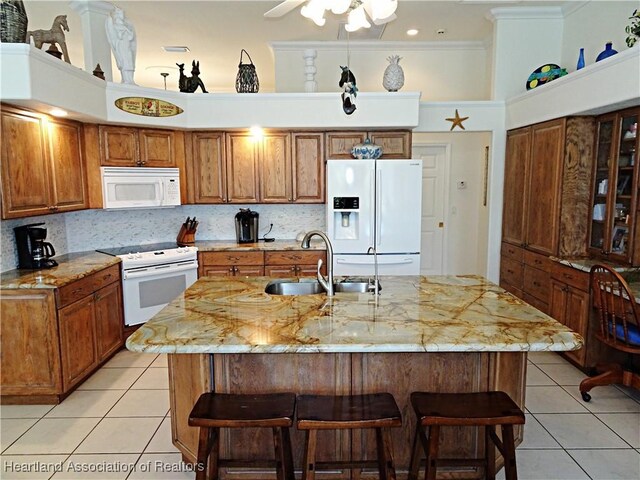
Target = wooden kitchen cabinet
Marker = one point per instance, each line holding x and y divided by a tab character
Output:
546	200
38	154
136	147
206	171
570	305
51	340
242	165
308	172
275	168
395	143
613	233
77	341
29	344
109	320
296	263
230	263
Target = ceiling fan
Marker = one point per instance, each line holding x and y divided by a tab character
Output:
379	11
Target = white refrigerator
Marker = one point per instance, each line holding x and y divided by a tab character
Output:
374	203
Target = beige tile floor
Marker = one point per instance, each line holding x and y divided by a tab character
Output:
116	426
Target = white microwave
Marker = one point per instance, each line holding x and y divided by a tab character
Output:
140	187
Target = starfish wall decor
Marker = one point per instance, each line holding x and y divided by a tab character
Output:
456	121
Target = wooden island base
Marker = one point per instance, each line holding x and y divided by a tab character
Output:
341	374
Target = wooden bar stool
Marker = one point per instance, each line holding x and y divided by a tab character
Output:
214	411
327	412
485	409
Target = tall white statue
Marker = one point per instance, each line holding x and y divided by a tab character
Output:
122	38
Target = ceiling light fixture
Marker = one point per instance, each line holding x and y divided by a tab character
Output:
379	11
412	32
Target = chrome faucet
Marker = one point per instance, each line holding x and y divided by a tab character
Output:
327	283
376	281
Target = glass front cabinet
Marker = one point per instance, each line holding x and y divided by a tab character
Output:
613	232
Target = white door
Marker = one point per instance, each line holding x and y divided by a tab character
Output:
434	171
398	197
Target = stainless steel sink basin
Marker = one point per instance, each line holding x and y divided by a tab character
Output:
312	288
352	287
294	288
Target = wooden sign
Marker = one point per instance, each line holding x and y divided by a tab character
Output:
147	107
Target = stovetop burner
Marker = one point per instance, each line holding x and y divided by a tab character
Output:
151	247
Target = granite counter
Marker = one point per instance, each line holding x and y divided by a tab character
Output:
440	334
71	267
413	314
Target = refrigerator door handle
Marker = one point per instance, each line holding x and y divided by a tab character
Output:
373	210
378	209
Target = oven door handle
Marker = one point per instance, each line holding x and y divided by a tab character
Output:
158	270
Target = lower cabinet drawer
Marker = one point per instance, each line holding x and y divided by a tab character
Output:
511	289
232	258
536	260
293	257
511	272
512	251
537	283
571	276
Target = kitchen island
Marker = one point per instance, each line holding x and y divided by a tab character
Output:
447	334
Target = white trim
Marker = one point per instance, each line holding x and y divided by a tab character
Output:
376	46
525	13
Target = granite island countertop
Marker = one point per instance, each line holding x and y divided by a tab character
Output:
71	267
413	314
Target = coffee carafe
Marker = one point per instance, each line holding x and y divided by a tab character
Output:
33	251
247	226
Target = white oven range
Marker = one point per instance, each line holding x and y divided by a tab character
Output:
152	276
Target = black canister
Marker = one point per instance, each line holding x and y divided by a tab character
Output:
247	226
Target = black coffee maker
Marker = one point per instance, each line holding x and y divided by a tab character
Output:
33	251
247	226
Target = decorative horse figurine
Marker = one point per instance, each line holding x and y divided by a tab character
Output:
55	35
190	84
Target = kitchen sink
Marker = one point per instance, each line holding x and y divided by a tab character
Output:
284	287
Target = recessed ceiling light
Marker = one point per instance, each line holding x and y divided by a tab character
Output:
58	112
175	49
412	32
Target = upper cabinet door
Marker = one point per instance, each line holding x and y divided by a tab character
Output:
157	148
208	176
543	193
393	144
339	144
25	169
308	167
275	168
516	167
119	146
242	168
67	165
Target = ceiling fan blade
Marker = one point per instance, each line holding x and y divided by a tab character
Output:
283	8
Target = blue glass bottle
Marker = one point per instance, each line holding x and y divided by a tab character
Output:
607	52
580	60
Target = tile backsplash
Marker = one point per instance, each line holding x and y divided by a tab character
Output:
91	229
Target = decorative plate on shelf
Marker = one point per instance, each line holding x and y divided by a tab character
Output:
545	74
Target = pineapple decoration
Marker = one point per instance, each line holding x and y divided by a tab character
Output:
393	79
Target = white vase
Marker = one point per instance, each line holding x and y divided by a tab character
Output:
393	78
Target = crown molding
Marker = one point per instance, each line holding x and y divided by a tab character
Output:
375	46
525	13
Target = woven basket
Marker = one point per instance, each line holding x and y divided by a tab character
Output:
247	78
13	22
